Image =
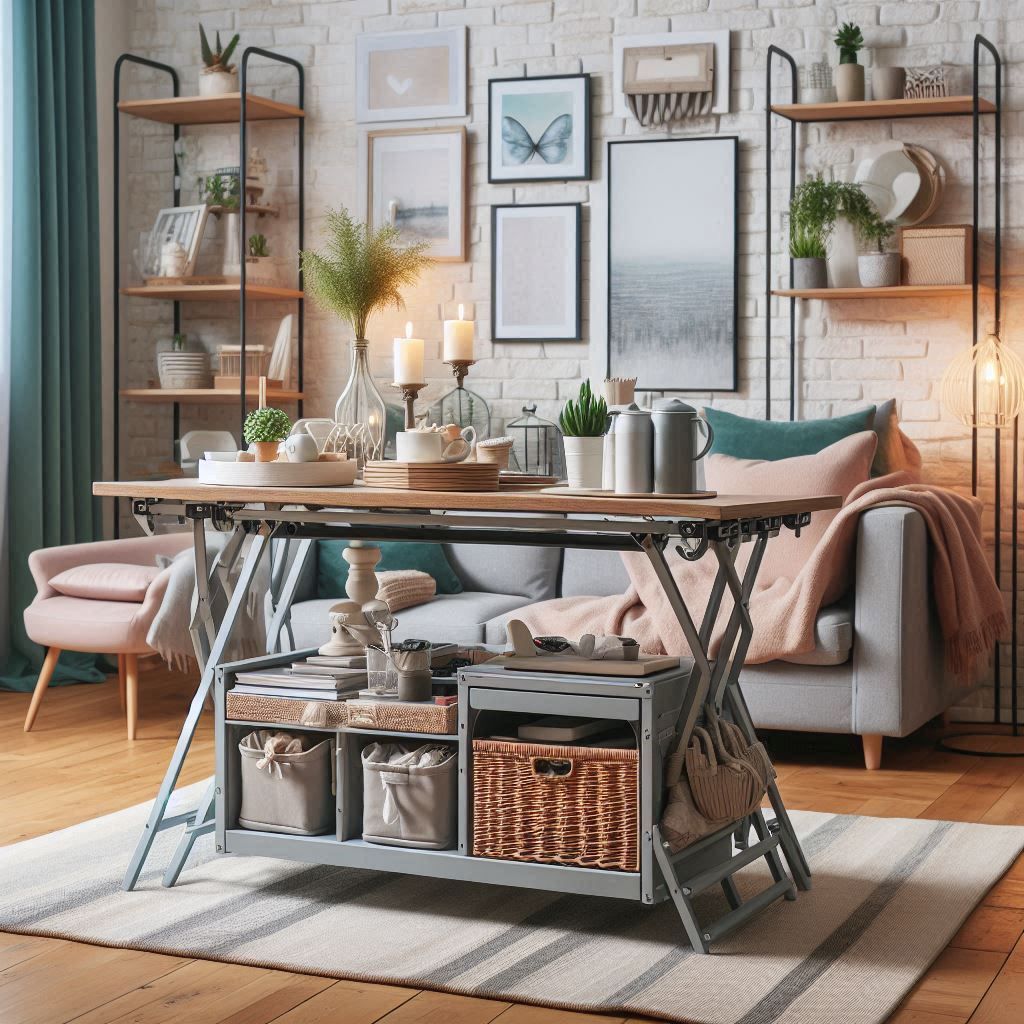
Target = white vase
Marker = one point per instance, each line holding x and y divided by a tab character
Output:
217	83
583	460
850	83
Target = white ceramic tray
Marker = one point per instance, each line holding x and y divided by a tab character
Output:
278	474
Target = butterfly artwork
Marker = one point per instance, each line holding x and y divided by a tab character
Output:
518	146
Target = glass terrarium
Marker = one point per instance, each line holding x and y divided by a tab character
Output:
537	444
464	407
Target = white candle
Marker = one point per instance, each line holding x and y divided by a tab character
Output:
458	339
408	358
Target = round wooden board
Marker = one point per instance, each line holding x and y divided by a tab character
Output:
597	492
278	474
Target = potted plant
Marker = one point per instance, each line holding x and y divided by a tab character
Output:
584	422
218	75
360	273
850	74
812	216
221	191
259	267
880	267
265	429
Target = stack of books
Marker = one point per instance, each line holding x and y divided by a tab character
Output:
303	682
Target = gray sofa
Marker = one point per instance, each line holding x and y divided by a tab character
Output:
877	668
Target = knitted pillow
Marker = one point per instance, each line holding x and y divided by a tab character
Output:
403	588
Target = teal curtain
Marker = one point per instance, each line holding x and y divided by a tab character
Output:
55	396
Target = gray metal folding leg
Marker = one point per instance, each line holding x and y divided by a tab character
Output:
157	821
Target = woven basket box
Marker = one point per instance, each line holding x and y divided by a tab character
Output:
251	707
937	254
398	716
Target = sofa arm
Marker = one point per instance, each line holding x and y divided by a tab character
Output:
899	675
48	562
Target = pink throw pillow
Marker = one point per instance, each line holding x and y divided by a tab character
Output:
837	469
106	581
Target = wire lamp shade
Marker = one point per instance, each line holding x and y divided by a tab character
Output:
984	385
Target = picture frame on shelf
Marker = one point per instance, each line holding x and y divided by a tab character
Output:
538	129
673	271
536	259
416	180
182	224
410	76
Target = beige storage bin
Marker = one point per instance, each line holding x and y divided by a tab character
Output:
936	254
289	792
408	805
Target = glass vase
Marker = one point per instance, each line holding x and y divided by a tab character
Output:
360	415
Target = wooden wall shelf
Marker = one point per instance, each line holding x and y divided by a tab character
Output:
213	292
870	110
205	396
900	291
209	109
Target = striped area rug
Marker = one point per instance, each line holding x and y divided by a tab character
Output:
888	895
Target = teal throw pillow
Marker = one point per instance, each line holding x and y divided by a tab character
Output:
770	440
332	569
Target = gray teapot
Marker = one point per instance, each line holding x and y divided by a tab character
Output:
675	446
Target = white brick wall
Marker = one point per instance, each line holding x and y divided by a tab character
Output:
850	352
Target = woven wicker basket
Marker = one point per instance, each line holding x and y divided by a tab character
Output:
400	717
556	805
249	707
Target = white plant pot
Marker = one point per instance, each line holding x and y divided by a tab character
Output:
217	83
584	457
879	269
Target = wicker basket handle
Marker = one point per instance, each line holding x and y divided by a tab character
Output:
552	768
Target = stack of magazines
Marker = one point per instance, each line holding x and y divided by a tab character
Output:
304	680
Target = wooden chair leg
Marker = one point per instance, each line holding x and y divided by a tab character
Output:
122	680
131	672
872	751
947	719
45	674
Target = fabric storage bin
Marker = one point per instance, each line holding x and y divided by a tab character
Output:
937	254
286	792
407	802
556	804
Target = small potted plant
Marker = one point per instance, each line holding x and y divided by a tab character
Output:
265	429
880	267
259	264
584	422
812	216
221	191
850	74
218	75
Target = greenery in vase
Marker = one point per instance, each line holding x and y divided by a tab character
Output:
178	342
850	42
258	245
266	425
876	233
221	190
817	205
587	416
217	57
361	272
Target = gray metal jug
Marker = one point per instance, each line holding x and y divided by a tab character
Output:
633	450
675	446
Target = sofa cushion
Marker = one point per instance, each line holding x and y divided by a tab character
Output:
88	625
593	574
532	573
405	588
106	581
332	569
833	636
746	438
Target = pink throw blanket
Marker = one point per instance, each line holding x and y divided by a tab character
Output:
969	604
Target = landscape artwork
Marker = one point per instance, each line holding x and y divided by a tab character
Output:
672	271
417	183
539	128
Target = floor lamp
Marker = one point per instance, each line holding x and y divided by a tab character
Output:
984	389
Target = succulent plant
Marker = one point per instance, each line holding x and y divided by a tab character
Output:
266	425
850	41
258	245
217	58
585	417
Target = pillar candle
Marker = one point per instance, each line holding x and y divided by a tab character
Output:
458	339
408	358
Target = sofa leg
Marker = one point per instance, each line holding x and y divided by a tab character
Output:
872	750
122	680
45	674
131	672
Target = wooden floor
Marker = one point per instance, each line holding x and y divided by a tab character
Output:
77	764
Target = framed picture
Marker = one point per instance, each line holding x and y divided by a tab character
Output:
409	76
538	129
535	272
417	181
672	267
181	224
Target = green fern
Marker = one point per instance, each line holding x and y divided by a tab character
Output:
361	272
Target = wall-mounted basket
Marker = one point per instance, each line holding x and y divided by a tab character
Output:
663	84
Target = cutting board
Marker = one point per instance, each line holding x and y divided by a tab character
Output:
432	476
645	665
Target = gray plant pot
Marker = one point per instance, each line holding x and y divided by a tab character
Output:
850	83
879	269
888	83
810	273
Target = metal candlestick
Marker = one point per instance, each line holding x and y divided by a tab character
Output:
409	393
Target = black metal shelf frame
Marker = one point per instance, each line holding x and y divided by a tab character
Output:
243	129
975	113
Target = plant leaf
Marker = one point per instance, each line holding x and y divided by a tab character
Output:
204	45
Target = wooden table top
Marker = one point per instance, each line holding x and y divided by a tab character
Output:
724	506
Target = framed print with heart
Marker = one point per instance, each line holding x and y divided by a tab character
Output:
538	129
536	254
410	76
416	180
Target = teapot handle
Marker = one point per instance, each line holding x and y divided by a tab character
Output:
711	438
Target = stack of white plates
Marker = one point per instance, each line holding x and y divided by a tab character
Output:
179	370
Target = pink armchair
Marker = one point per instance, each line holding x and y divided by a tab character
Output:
96	617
